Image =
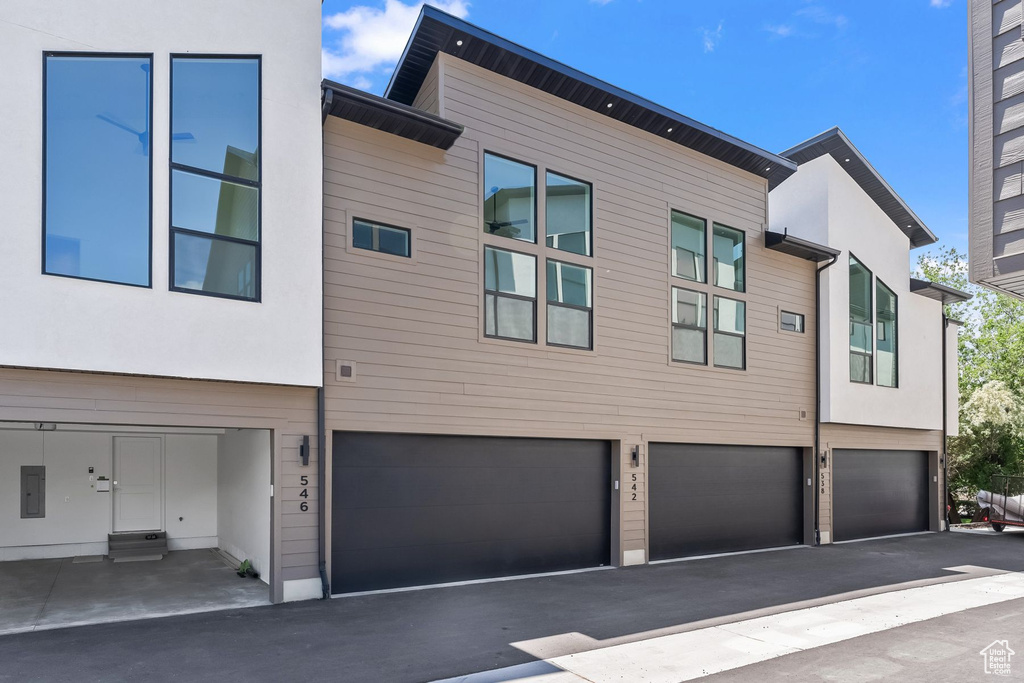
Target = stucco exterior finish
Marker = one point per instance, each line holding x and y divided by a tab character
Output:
822	203
80	325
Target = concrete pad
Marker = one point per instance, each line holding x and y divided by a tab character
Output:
46	594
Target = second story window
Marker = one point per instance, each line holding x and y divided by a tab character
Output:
568	214
730	262
510	295
97	167
570	309
885	346
215	176
861	345
689	326
688	244
510	198
385	239
730	346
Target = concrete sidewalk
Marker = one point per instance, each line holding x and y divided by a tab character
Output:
446	632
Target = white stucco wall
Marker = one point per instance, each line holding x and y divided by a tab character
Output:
853	223
243	496
56	322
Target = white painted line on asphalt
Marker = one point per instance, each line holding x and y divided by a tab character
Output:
738	552
695	654
471	582
879	538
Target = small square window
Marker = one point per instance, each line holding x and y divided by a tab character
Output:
791	322
384	239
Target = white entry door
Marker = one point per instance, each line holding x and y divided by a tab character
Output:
138	485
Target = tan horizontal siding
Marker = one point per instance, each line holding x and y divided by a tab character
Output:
413	327
834	435
28	395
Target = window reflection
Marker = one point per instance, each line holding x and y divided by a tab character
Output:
568	217
729	258
97	168
509	198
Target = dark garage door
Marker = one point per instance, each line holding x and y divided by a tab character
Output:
876	493
414	510
714	499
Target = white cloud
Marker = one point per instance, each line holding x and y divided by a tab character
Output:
780	30
941	3
711	38
372	38
820	15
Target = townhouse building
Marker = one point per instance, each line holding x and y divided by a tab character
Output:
531	321
566	327
160	344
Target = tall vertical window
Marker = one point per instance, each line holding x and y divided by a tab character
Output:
728	252
861	345
215	176
510	198
688	244
570	308
885	344
730	333
689	326
97	155
510	295
568	214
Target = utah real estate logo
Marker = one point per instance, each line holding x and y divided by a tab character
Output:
997	658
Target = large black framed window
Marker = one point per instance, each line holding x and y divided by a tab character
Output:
730	327
886	330
510	198
97	166
510	295
570	316
861	322
216	176
689	326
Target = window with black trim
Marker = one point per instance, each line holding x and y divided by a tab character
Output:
97	166
791	322
861	323
510	198
886	347
570	314
730	347
729	257
510	295
384	239
689	240
568	214
689	326
215	176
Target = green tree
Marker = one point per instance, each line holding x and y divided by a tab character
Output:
991	375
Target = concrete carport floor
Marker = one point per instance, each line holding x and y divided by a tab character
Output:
439	633
54	593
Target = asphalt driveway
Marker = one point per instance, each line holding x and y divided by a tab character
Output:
438	633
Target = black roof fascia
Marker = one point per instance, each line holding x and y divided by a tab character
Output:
436	31
385	115
835	143
933	290
800	248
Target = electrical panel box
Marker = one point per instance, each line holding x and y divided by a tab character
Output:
33	491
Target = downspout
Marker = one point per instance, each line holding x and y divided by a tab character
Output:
321	420
817	398
945	426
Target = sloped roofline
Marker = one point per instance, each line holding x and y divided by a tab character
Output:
437	31
835	143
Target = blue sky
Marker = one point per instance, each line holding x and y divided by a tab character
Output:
891	73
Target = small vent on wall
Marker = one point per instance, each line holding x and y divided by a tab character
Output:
802	413
346	371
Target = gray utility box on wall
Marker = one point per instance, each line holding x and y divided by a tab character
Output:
33	491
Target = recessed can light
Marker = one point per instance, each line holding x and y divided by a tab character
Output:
847	160
767	169
609	105
459	43
669	130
